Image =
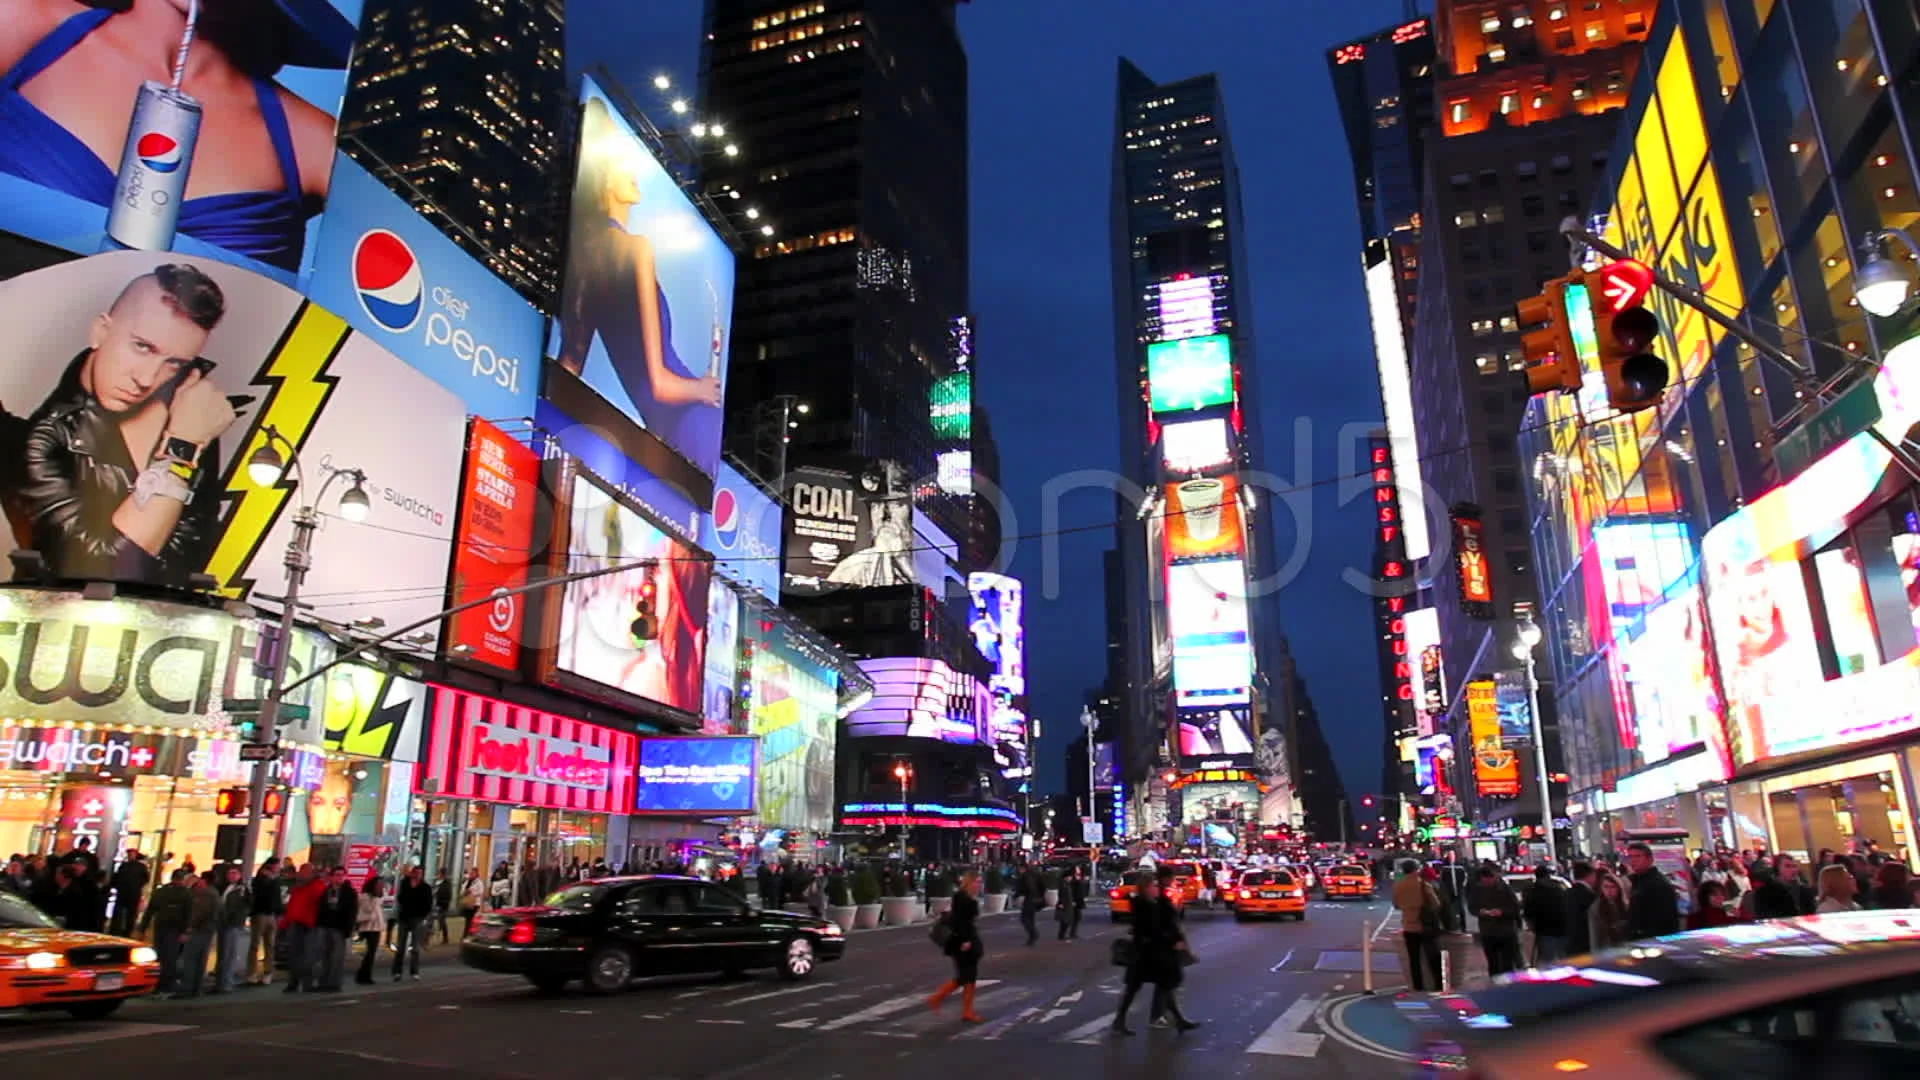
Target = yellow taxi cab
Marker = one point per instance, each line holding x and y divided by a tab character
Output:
86	974
1188	880
1268	892
1348	879
1120	897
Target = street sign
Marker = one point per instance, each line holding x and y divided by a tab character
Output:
231	705
1091	832
259	751
1623	284
1848	415
293	713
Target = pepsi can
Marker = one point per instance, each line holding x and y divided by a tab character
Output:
153	168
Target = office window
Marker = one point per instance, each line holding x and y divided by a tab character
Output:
1494	215
1519	18
1485	361
1562	163
1519	563
1460	181
1490	24
1495	55
1599	160
1582	90
1527	171
1533	205
1596	32
1506	481
1508	324
1509	101
1562	39
1482	328
1541	99
1460	111
1489	179
1465	218
1538	241
1476	293
1556	13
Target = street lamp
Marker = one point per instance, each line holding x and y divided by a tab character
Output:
1527	637
1090	722
1880	285
903	772
266	468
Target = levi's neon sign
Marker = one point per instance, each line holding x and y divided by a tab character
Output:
498	751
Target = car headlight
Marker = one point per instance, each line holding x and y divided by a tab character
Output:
831	930
44	961
145	955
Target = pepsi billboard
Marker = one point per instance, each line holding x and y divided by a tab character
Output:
646	306
396	278
233	164
743	533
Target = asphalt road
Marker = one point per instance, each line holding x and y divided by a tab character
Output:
1269	994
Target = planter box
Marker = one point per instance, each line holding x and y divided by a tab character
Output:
993	903
899	910
938	906
866	917
844	917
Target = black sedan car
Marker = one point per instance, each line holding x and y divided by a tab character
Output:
608	932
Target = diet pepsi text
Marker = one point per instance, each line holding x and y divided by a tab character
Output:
392	288
153	168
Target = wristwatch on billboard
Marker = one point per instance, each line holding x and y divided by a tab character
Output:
167	479
175	448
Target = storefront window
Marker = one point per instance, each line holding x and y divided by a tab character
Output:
1843	593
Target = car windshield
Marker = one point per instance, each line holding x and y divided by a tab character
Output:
1267	877
17	914
583	897
1348	871
1180	869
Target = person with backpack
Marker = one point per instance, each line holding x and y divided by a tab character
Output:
965	946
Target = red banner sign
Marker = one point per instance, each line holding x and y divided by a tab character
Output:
1470	558
493	545
483	748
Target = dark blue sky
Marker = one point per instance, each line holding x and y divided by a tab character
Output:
1042	105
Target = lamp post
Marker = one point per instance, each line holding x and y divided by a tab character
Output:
265	468
1527	638
903	773
1090	722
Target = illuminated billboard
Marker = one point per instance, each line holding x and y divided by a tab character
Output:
1207	619
849	525
720	685
596	640
921	698
494	546
996	626
706	775
1640	561
1470	561
1185	307
794	710
1396	396
1496	768
1420	629
1193	373
193	363
1191	446
950	406
743	533
1203	518
647	306
1215	738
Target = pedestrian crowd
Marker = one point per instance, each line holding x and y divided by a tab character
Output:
1617	901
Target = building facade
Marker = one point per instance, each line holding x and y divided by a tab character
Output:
1728	579
461	108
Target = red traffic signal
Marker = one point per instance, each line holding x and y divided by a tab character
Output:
1621	285
231	802
1366	800
275	802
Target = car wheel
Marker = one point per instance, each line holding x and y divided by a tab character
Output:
800	959
609	968
548	984
94	1010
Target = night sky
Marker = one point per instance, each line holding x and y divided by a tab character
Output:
1042	117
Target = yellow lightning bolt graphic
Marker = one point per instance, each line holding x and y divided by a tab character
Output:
298	386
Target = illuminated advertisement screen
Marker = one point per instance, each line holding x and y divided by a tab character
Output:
1639	562
743	533
849	525
494	546
697	774
232	166
1667	667
1190	446
122	348
1219	802
1215	738
1203	518
995	624
1496	768
1516	712
720	685
1193	373
1474	570
647	306
596	640
951	407
1186	308
794	711
921	698
1207	617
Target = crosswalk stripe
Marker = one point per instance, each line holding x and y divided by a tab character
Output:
884	1009
1089	1032
809	988
993	1029
1284	1037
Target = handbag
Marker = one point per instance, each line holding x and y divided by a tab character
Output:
1122	952
941	932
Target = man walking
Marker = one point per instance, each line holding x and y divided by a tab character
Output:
301	924
339	910
1546	910
1073	901
268	905
413	907
130	880
167	917
1420	915
203	916
1579	901
1653	908
1033	899
230	927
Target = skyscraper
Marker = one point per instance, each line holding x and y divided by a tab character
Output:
1203	654
851	121
459	106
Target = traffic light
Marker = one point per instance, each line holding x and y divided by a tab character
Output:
1552	361
1626	330
645	625
1366	800
275	801
231	802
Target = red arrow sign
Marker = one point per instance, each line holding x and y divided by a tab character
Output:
1623	284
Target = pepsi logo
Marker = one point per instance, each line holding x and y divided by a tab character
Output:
159	152
387	279
726	517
